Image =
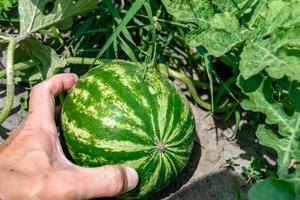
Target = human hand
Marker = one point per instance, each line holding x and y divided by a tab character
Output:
33	165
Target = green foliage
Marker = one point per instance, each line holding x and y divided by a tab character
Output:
276	189
260	93
253	172
263	37
33	16
51	62
5	5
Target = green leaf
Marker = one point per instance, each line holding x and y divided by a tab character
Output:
260	92
33	16
5	5
286	148
274	44
194	11
51	62
276	15
221	36
239	8
279	55
275	189
266	32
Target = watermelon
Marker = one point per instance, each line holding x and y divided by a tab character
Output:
116	114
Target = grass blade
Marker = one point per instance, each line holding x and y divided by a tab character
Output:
132	11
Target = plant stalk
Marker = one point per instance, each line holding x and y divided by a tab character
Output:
190	85
20	66
10	80
85	61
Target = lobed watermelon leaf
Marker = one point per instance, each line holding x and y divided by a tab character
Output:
274	44
221	36
238	8
194	11
286	143
33	16
267	31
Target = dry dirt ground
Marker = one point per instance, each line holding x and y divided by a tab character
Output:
205	177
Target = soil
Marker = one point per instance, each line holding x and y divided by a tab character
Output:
206	176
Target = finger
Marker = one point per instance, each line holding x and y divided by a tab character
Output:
107	181
42	98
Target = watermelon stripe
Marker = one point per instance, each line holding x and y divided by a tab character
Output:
129	100
105	92
117	146
172	164
170	119
136	132
168	168
114	116
80	133
138	162
106	154
153	179
179	126
174	119
152	102
177	157
182	138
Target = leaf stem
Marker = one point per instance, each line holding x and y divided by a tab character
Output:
10	80
85	61
20	66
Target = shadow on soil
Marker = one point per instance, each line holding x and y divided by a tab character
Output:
184	176
222	185
246	139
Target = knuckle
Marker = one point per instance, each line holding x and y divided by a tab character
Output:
44	86
117	179
36	88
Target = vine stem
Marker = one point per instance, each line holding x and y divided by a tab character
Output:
189	83
10	80
20	66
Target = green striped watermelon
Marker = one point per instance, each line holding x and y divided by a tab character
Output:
115	115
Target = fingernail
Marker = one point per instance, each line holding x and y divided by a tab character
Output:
132	178
75	77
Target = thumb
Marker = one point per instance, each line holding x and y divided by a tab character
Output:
107	181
